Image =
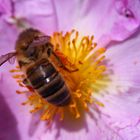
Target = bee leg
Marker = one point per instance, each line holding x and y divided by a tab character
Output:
22	83
22	92
28	85
26	82
62	65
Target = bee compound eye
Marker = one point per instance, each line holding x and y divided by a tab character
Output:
30	51
49	51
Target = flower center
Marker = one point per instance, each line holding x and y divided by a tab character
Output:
79	54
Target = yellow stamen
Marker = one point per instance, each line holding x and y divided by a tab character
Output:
75	53
21	92
17	76
61	112
15	70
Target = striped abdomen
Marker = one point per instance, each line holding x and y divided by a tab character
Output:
46	80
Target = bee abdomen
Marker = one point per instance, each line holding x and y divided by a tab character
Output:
55	90
61	97
50	84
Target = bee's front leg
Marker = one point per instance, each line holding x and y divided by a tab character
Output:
62	65
28	84
25	84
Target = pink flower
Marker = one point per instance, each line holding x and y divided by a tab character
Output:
115	25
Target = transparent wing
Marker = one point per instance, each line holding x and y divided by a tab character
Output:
12	60
43	40
40	41
6	57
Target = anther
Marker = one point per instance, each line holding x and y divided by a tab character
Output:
21	92
18	76
15	70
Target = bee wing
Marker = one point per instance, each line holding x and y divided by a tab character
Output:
6	57
12	60
40	41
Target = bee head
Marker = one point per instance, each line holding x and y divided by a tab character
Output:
26	37
29	42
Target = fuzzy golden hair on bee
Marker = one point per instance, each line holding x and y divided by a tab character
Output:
25	38
30	45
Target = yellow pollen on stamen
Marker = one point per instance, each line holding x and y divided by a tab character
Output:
78	53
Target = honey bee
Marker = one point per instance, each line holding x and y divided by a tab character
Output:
33	52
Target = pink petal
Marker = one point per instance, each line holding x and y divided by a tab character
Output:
125	60
19	117
8	122
40	14
5	7
114	20
128	22
8	36
122	98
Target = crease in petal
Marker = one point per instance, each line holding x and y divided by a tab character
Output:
5	7
8	121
